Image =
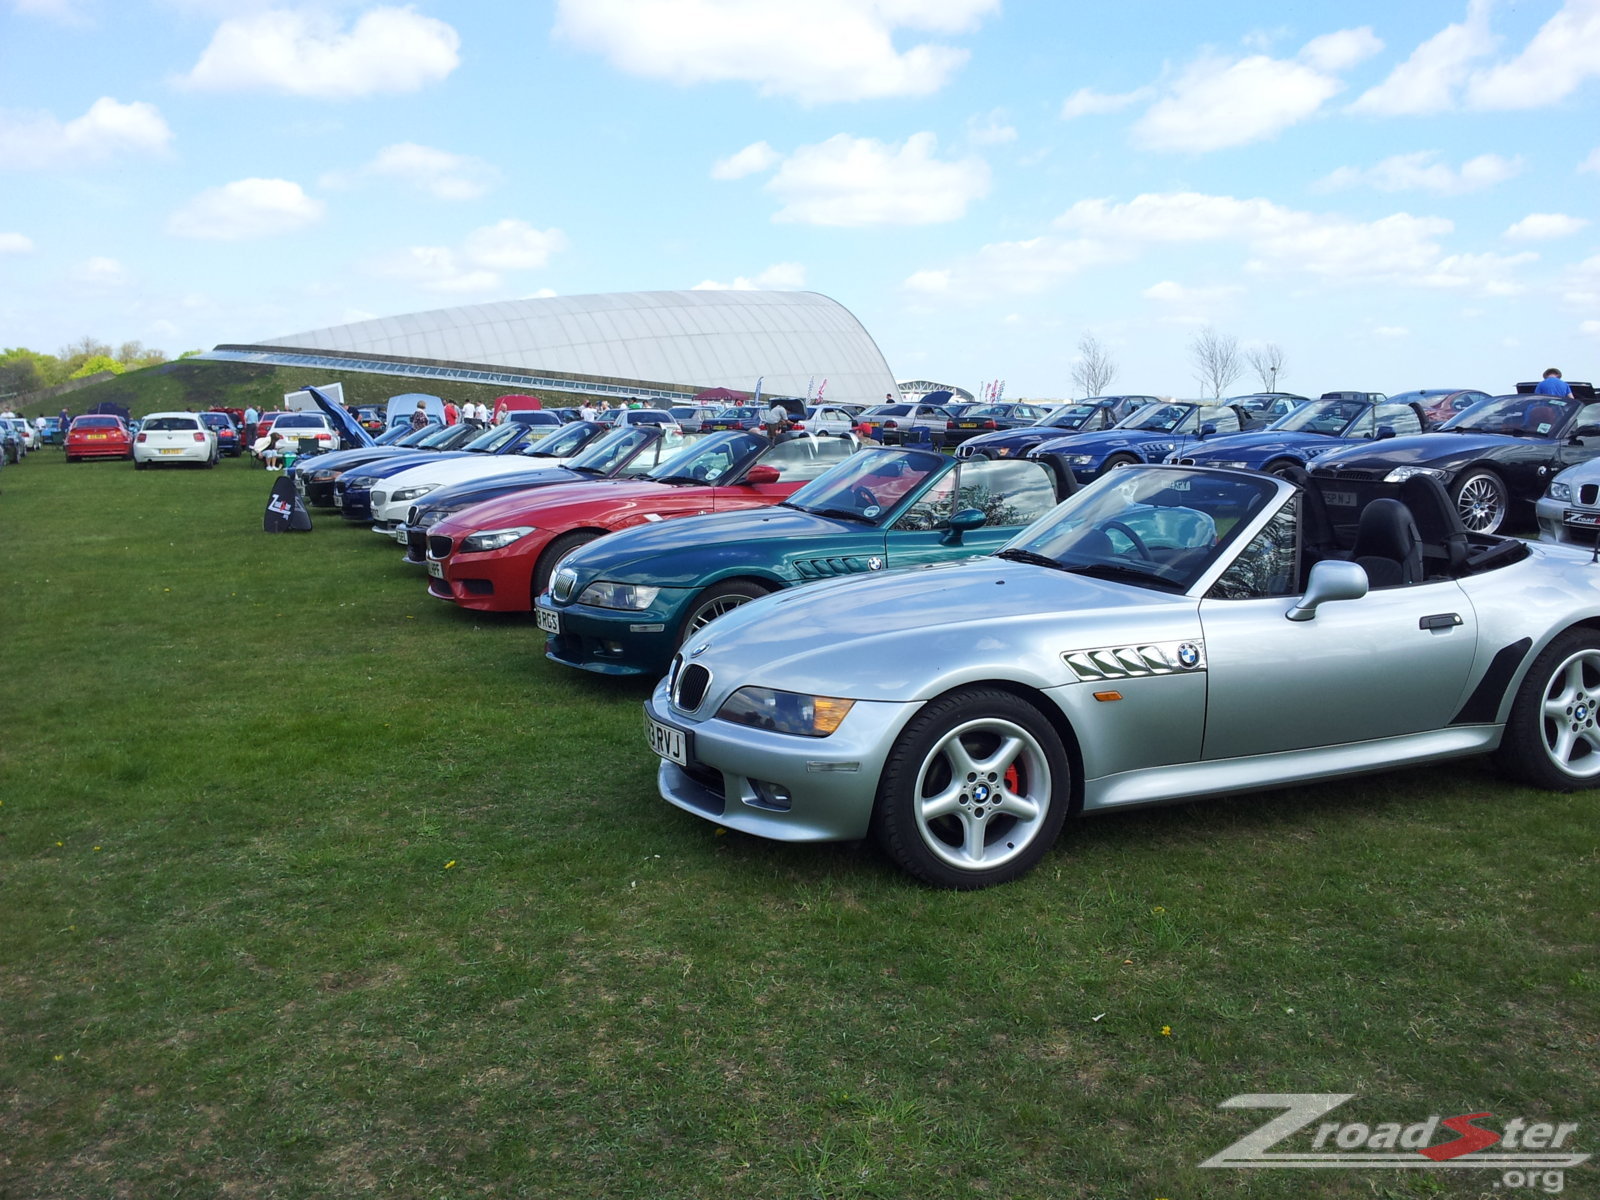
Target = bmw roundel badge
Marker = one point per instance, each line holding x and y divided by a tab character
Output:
1188	655
699	650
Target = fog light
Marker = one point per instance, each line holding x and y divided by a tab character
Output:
770	795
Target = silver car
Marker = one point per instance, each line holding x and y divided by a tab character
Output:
1569	510
1169	632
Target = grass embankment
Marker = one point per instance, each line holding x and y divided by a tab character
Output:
315	887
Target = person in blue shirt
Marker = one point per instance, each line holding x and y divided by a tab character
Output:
1552	384
251	419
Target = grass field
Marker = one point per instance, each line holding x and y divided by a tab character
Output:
314	887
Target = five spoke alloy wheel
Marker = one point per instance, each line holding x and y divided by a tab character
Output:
975	790
1552	738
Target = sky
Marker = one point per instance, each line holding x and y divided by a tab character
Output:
1394	195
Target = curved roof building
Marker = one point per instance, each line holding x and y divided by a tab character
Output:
663	345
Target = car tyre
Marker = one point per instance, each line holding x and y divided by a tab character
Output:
1552	739
139	464
1483	502
974	791
557	550
1283	468
713	602
1119	460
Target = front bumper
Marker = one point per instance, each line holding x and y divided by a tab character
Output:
354	504
775	785
1567	522
610	641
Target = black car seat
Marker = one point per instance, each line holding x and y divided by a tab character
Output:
1388	546
1317	540
1444	537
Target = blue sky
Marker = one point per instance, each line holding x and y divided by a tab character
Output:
1396	195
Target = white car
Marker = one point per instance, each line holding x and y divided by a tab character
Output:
393	495
829	418
26	433
299	427
174	437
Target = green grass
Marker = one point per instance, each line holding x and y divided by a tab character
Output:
312	886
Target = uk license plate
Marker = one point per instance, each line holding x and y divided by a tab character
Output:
435	568
546	620
167	451
338	499
969	425
1340	499
671	744
1581	520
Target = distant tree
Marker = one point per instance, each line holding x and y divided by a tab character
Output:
25	371
1216	360
190	353
1094	368
74	355
96	364
1267	362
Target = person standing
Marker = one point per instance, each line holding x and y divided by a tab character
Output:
586	411
1552	384
63	421
776	420
419	415
451	413
251	419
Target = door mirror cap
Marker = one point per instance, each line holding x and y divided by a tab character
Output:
1333	579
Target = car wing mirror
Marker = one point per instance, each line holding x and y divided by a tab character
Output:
1385	431
1332	579
962	522
1585	431
761	473
1208	429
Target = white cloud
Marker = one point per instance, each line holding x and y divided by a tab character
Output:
512	245
1560	58
15	243
438	173
99	272
1427	82
1086	102
753	159
1482	274
1219	102
109	129
815	51
1591	163
307	53
847	181
66	12
1536	226
476	265
1420	172
1171	292
245	209
1592	328
991	129
1581	285
778	277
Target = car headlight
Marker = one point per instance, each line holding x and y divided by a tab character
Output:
1079	460
411	493
361	481
325	476
1236	464
629	596
1561	491
494	539
785	712
1401	474
429	517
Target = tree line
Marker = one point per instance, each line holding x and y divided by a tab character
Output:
1217	359
23	370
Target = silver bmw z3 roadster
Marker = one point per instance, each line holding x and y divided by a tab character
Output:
1167	633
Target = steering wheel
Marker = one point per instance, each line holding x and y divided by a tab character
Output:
863	497
1126	531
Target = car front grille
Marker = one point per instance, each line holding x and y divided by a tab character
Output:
689	687
440	546
1589	493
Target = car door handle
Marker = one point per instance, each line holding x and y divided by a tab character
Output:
1440	621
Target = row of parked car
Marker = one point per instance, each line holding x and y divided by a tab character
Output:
954	653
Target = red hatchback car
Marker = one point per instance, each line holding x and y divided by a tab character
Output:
498	555
98	436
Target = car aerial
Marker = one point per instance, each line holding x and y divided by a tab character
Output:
978	419
960	712
352	491
393	495
895	424
174	438
498	556
623	604
97	435
228	440
624	453
1149	435
1314	428
1266	406
1493	459
1440	404
1081	416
